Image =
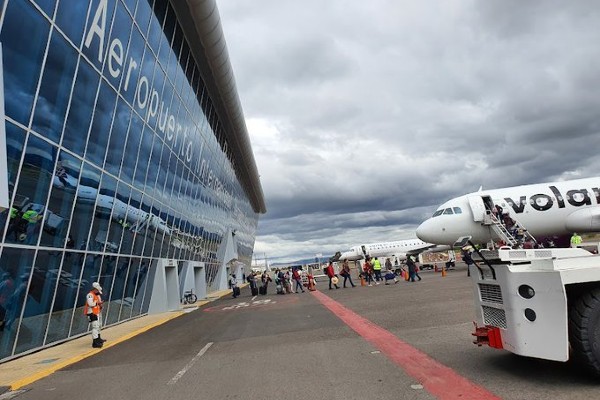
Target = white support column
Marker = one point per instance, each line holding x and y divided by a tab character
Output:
194	277
165	291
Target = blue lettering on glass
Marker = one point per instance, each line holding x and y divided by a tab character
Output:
147	100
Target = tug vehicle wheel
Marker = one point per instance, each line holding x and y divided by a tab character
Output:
584	330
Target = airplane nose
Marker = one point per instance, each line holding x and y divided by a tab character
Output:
427	232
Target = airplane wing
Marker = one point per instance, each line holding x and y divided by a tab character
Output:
584	220
429	248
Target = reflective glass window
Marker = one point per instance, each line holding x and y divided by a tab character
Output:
30	199
102	216
134	58
62	198
116	61
155	29
438	212
55	89
15	139
457	210
95	46
39	300
163	171
154	164
180	77
158	106
140	217
100	129
71	18
129	291
47	6
24	38
143	14
173	65
82	107
113	304
131	148
130	5
84	206
66	294
150	226
448	211
143	158
15	267
118	137
121	225
90	274
140	304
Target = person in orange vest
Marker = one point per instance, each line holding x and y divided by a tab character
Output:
93	307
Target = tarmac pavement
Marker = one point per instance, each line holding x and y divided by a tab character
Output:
403	341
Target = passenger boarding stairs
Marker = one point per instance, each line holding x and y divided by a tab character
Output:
505	234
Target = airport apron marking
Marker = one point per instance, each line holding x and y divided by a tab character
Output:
244	305
436	378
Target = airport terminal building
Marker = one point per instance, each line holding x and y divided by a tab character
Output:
124	159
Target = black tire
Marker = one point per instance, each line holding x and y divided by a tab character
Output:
191	298
584	330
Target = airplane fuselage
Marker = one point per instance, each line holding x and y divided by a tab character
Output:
545	209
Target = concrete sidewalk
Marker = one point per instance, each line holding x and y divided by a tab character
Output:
22	371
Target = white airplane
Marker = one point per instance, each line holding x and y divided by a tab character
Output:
399	249
544	210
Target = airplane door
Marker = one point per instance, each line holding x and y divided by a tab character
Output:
478	208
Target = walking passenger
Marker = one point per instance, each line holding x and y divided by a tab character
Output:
234	286
368	272
467	258
346	273
331	274
298	279
412	268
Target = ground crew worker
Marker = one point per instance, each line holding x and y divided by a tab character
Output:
93	307
32	217
575	240
13	223
377	270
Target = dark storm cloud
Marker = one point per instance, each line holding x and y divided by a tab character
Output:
364	117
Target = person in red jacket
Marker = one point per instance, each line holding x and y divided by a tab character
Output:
331	274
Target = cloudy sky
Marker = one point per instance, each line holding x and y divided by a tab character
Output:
365	116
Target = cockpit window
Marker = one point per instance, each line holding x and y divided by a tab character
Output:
457	210
448	211
438	212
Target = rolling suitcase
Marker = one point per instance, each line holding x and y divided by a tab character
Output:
280	289
262	290
236	291
254	291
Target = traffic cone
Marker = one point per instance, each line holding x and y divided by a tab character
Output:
443	272
406	276
362	281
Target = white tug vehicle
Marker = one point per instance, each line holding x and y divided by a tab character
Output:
542	303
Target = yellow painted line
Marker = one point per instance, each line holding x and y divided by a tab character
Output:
44	373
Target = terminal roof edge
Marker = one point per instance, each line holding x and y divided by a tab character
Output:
201	24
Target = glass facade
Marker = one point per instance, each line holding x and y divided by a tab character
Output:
116	158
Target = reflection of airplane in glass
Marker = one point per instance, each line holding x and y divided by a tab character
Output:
134	217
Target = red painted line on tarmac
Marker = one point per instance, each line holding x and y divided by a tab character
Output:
436	378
